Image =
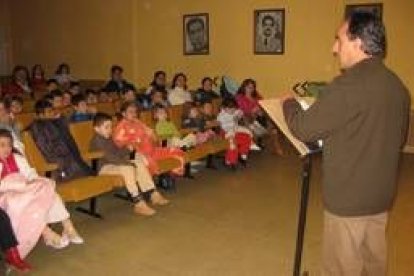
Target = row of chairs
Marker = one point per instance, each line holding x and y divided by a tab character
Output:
175	112
89	188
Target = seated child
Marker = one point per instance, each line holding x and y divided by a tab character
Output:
130	132
31	202
91	96
116	161
56	98
240	138
193	120
81	113
104	97
74	88
158	98
51	85
205	93
15	105
167	130
8	245
7	121
128	95
67	99
207	112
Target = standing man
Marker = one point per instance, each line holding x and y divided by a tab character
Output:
362	118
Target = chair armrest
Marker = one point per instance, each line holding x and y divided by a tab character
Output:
92	155
185	131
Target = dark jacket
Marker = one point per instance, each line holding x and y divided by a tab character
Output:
362	118
194	123
56	144
113	86
202	96
112	153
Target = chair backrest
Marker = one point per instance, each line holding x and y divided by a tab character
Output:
25	119
34	156
216	105
28	105
176	114
82	133
147	118
108	108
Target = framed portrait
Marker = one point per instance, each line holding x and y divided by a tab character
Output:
269	32
375	8
196	34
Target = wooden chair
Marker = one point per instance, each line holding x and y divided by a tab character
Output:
108	108
28	105
25	119
83	132
77	190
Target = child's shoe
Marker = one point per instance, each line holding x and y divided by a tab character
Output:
74	237
56	241
13	259
141	208
158	199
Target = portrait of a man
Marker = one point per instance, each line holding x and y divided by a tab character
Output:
269	31
196	34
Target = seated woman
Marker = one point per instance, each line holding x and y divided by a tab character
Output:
205	93
178	94
247	99
8	244
31	202
130	132
158	83
63	76
38	80
20	83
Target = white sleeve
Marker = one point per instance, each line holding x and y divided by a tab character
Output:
149	90
24	167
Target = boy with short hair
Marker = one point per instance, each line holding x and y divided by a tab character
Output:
116	161
81	113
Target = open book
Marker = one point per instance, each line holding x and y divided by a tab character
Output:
274	108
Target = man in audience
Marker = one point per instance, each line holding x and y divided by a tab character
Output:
117	82
362	118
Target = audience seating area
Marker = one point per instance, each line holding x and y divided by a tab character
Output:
91	187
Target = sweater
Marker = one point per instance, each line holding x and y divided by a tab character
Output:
166	130
112	153
362	118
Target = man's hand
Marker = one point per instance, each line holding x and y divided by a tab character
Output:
286	96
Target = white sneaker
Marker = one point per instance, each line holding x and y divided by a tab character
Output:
76	239
255	147
58	243
243	157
